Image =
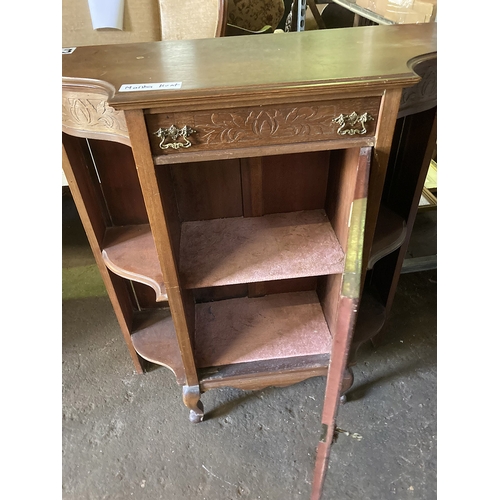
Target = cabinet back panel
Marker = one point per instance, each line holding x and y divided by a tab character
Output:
294	182
119	182
282	286
208	190
213	293
255	289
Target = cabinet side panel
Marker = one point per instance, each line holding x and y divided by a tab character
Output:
124	296
84	188
119	182
346	199
341	186
406	173
385	127
409	162
328	293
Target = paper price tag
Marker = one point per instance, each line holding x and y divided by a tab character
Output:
138	87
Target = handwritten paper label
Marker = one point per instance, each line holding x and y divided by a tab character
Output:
137	87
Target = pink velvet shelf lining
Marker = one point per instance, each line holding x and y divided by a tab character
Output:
231	251
254	329
251	249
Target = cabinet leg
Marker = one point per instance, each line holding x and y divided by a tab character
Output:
346	383
191	397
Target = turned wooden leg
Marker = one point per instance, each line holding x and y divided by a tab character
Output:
346	383
191	397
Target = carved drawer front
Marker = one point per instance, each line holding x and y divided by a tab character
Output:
265	125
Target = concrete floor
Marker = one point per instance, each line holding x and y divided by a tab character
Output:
126	435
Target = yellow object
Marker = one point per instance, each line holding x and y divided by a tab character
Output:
402	11
431	179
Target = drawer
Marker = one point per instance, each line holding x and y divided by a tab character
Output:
262	125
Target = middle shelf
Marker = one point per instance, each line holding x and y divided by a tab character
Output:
233	250
236	250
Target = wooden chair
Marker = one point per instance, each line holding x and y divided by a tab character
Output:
146	21
253	16
232	30
192	19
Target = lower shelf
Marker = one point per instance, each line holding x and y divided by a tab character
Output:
247	330
249	343
155	340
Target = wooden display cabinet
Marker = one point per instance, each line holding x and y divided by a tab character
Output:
227	214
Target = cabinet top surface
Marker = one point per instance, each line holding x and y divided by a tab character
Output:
370	58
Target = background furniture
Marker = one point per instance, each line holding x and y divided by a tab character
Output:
191	19
141	23
255	15
155	20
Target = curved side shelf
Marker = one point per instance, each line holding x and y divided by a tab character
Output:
130	252
154	339
423	95
390	234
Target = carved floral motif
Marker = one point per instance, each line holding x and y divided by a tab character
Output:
243	127
92	114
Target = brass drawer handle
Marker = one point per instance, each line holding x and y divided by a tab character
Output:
172	133
350	124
